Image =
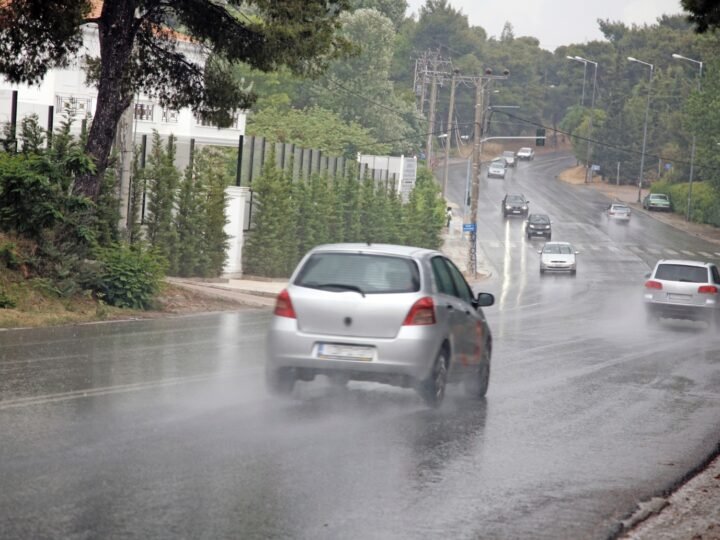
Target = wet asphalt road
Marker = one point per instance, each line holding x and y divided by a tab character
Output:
163	429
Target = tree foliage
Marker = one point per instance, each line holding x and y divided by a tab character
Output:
141	51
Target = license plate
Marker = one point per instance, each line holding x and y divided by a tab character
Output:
516	211
679	297
349	352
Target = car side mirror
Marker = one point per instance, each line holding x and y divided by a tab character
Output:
647	275
484	299
539	251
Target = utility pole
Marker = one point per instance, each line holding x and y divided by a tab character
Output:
448	138
431	119
475	189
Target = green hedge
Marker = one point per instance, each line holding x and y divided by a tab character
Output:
705	203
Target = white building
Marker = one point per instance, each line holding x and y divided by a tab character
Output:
65	90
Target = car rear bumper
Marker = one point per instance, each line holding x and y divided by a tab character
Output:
410	355
680	311
532	232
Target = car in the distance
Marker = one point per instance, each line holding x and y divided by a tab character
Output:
538	225
558	257
399	315
618	211
683	289
497	168
526	154
657	201
514	204
509	157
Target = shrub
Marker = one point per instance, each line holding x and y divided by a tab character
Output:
130	276
5	301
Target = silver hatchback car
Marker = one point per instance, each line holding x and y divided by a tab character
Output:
681	289
393	314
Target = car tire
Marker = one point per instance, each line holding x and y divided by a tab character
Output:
549	236
280	381
573	272
542	271
476	385
432	389
528	236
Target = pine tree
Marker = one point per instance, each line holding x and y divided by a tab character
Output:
163	180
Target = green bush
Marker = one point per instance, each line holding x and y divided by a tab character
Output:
130	276
705	203
5	301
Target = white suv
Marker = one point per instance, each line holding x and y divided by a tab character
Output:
680	289
526	153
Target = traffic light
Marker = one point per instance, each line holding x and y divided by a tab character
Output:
540	137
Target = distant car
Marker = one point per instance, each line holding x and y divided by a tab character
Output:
558	257
497	168
682	289
509	157
526	153
538	225
374	312
514	204
657	201
620	212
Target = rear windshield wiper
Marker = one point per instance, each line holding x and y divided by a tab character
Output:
342	286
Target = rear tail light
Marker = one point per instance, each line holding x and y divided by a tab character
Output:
652	284
421	313
283	305
708	289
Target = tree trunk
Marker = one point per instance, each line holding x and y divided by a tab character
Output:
117	34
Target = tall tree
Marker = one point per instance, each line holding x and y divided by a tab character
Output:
139	52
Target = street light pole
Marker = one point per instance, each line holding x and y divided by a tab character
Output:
647	110
582	99
692	148
588	171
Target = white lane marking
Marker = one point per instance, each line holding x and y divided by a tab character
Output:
704	254
104	390
688	253
671	251
653	250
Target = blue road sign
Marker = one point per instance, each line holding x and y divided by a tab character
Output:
469	227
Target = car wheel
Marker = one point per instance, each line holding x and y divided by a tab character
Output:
476	386
432	389
542	271
280	381
528	236
573	272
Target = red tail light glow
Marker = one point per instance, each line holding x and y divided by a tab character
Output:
708	289
421	313
652	284
283	305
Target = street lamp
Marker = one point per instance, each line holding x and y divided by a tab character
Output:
588	171
582	100
692	150
647	109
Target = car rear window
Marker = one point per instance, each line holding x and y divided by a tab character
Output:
681	272
620	207
659	197
368	273
515	199
509	154
535	218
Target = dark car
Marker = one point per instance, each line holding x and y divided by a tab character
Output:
514	204
538	225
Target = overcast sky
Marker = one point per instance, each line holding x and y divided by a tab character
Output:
557	22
